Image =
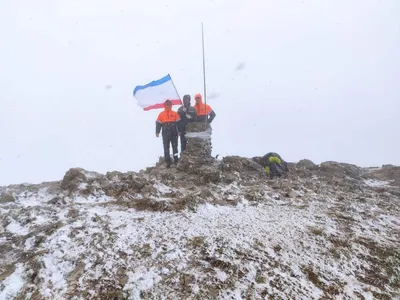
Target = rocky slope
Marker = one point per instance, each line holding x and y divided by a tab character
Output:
219	231
209	229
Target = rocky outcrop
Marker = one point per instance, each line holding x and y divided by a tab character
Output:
6	198
198	149
306	164
388	173
73	178
242	168
340	169
109	234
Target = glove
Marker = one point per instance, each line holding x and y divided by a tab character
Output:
188	116
184	109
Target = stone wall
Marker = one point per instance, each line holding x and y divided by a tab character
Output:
199	147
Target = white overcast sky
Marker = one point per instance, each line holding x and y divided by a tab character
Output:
319	80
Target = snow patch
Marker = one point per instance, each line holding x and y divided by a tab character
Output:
140	280
16	228
31	199
162	188
376	183
11	286
92	199
29	243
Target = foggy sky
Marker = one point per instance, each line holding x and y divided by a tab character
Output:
307	79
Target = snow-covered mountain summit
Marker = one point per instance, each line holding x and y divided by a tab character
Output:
222	231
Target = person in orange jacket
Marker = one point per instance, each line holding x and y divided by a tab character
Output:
168	122
204	112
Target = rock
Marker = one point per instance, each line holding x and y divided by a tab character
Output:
242	165
228	178
306	164
205	193
258	159
286	185
149	190
114	176
389	173
137	184
209	174
115	189
187	279
73	178
340	168
293	194
388	167
6	198
276	185
73	213
57	200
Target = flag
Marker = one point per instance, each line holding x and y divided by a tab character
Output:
154	94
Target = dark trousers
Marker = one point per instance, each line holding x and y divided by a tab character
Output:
173	140
183	142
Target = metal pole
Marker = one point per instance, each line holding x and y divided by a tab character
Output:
175	87
204	71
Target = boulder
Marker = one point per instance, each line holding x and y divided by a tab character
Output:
149	190
242	165
73	178
136	183
6	198
306	164
209	174
114	175
389	173
57	201
340	169
293	194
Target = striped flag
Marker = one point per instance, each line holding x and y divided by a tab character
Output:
154	94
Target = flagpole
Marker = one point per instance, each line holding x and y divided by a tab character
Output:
204	71
175	87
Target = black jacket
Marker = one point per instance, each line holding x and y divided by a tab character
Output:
209	117
187	116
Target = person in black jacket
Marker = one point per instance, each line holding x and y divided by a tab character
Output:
187	114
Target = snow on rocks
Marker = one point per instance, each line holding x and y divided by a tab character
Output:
11	286
376	183
330	233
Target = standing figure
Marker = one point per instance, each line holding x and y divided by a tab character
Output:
168	122
187	114
204	112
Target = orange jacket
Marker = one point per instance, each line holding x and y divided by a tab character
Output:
204	111
168	121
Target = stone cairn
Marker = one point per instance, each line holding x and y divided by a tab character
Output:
198	149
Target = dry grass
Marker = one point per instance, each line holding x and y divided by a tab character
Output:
197	241
384	265
316	231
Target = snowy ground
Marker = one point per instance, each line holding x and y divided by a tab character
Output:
318	243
